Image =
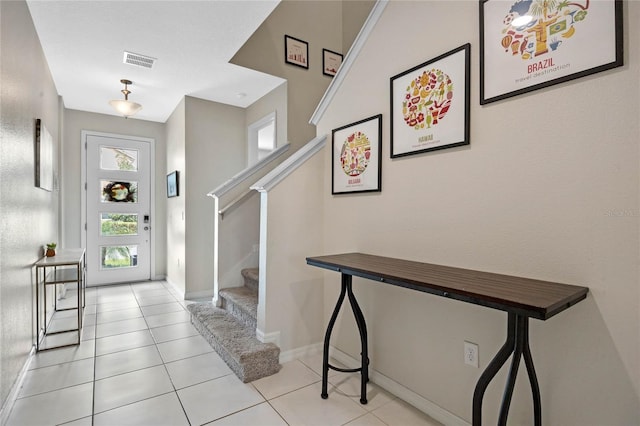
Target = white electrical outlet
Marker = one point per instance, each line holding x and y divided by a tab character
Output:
471	354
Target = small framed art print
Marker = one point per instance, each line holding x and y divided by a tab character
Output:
296	52
173	184
331	61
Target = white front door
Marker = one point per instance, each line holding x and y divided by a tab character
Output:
118	213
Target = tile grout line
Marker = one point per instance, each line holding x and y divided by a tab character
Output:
164	365
95	352
95	360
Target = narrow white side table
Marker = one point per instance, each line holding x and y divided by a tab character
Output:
67	266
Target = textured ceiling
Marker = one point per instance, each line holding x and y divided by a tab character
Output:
84	42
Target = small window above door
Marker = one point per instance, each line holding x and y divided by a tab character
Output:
262	138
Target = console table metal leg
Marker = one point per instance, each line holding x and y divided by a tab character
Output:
362	328
327	338
346	288
516	344
513	372
79	287
533	379
37	309
492	369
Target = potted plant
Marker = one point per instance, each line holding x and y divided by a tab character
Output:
51	250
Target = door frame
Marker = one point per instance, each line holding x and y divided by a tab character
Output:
152	196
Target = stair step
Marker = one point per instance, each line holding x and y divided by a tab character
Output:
250	278
242	303
236	344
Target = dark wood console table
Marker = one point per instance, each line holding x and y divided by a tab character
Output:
521	298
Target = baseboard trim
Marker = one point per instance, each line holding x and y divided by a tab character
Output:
190	295
304	351
13	394
428	407
273	337
174	287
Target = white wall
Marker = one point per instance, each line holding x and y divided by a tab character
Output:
293	301
176	206
71	180
28	215
548	188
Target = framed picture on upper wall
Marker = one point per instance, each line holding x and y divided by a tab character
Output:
173	184
331	61
356	160
296	52
430	104
526	45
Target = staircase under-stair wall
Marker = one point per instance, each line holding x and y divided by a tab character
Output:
229	321
231	330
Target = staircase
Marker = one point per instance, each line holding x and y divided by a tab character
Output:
231	330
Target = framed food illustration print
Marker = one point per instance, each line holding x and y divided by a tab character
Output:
527	45
430	104
331	61
355	157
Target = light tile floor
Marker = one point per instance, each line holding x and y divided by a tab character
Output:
141	362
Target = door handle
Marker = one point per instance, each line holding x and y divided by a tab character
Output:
146	228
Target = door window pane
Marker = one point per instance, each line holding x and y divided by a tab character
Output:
112	257
119	192
112	158
114	224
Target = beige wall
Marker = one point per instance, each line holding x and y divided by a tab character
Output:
215	149
354	14
71	180
176	206
29	215
276	100
548	188
207	143
239	235
264	51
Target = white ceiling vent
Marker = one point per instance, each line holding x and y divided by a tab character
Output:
138	60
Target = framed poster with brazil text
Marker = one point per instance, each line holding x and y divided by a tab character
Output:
526	45
356	160
430	104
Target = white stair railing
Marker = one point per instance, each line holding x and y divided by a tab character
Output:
288	166
227	197
263	186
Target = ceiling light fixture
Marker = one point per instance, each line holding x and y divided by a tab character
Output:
125	106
